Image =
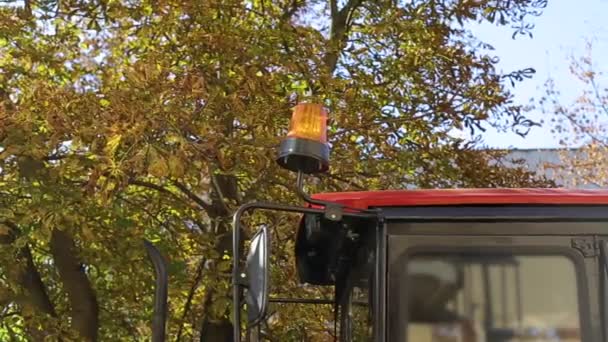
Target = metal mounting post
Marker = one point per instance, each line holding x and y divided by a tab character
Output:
159	319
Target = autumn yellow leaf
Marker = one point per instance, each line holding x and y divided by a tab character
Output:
112	144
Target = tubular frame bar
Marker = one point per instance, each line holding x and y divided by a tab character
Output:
159	319
236	241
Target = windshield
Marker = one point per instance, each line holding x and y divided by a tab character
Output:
454	297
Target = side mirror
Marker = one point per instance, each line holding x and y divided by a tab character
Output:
257	265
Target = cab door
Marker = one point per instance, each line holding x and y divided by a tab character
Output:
491	287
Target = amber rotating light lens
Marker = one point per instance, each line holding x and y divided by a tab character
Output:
305	148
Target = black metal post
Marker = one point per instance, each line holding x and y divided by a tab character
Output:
159	319
303	195
604	285
379	299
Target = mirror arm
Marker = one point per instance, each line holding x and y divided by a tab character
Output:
236	242
159	319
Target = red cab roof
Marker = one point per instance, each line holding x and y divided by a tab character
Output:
408	198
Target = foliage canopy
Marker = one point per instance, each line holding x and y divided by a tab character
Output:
581	125
121	120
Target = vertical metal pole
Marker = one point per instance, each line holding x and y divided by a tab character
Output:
236	278
604	286
159	319
303	195
380	283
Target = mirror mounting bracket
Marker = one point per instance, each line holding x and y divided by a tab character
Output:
242	279
329	209
333	211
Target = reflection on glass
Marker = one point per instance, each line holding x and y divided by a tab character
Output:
360	315
484	298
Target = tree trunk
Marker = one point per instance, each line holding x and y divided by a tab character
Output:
82	298
213	329
24	275
30	280
226	188
216	331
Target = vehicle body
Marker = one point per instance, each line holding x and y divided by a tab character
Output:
465	265
470	265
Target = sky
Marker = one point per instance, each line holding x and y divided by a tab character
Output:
560	32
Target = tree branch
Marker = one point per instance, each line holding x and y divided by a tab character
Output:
226	187
290	10
341	20
29	278
82	298
150	214
35	297
196	199
211	329
208	207
346	180
153	186
333	8
195	284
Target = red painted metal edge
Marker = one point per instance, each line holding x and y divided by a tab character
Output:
406	198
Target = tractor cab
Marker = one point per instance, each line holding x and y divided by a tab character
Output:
465	265
484	265
462	265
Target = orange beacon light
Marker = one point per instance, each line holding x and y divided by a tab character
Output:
305	148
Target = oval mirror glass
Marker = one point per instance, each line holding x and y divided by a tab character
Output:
257	266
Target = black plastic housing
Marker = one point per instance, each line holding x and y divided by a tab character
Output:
303	155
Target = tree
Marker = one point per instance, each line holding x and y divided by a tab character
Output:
124	120
582	126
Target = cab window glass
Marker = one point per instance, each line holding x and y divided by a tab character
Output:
484	298
361	315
